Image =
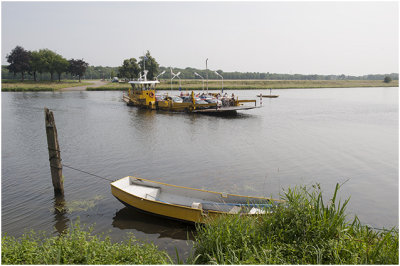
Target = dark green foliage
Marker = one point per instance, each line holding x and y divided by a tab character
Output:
21	64
19	60
150	64
35	64
129	69
387	79
47	62
61	65
78	246
132	69
100	72
303	231
188	73
77	67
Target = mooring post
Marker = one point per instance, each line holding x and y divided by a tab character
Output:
54	153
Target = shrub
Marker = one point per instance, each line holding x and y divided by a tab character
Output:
77	246
387	79
302	231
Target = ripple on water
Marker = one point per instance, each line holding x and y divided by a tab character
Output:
301	138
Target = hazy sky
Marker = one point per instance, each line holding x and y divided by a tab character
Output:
353	38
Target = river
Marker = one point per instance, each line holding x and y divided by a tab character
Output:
304	137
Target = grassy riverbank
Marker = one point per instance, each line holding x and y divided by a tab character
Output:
305	230
257	84
29	85
78	246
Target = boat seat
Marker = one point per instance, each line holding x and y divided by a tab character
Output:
197	205
256	211
176	199
235	210
150	193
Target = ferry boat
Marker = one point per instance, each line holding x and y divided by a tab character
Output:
143	94
186	204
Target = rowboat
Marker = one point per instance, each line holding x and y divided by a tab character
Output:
183	203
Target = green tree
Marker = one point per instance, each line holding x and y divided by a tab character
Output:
48	61
149	64
35	64
19	60
129	69
41	63
60	65
387	79
77	67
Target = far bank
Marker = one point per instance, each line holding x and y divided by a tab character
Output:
190	84
254	84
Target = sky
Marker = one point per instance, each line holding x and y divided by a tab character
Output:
351	38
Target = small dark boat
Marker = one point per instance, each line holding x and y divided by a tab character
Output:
268	96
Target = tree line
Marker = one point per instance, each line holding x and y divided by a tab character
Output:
188	73
24	62
47	63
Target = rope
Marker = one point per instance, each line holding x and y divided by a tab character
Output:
88	173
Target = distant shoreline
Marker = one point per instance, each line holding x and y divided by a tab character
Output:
90	85
257	84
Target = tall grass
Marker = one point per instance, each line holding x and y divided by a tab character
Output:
305	230
78	246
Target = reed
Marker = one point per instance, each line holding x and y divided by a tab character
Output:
78	246
303	231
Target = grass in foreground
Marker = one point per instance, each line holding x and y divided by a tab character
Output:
303	231
257	84
78	246
29	85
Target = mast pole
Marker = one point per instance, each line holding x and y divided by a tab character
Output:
207	74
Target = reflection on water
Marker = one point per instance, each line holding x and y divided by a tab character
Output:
303	137
129	218
61	220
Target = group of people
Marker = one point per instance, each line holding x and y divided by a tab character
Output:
218	95
225	100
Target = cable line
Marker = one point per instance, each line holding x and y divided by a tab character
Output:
88	173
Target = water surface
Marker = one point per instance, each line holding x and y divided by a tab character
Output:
304	137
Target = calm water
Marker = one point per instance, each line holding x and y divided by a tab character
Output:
304	137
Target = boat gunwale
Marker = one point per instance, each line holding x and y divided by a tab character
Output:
197	189
203	214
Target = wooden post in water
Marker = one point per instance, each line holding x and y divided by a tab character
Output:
54	153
